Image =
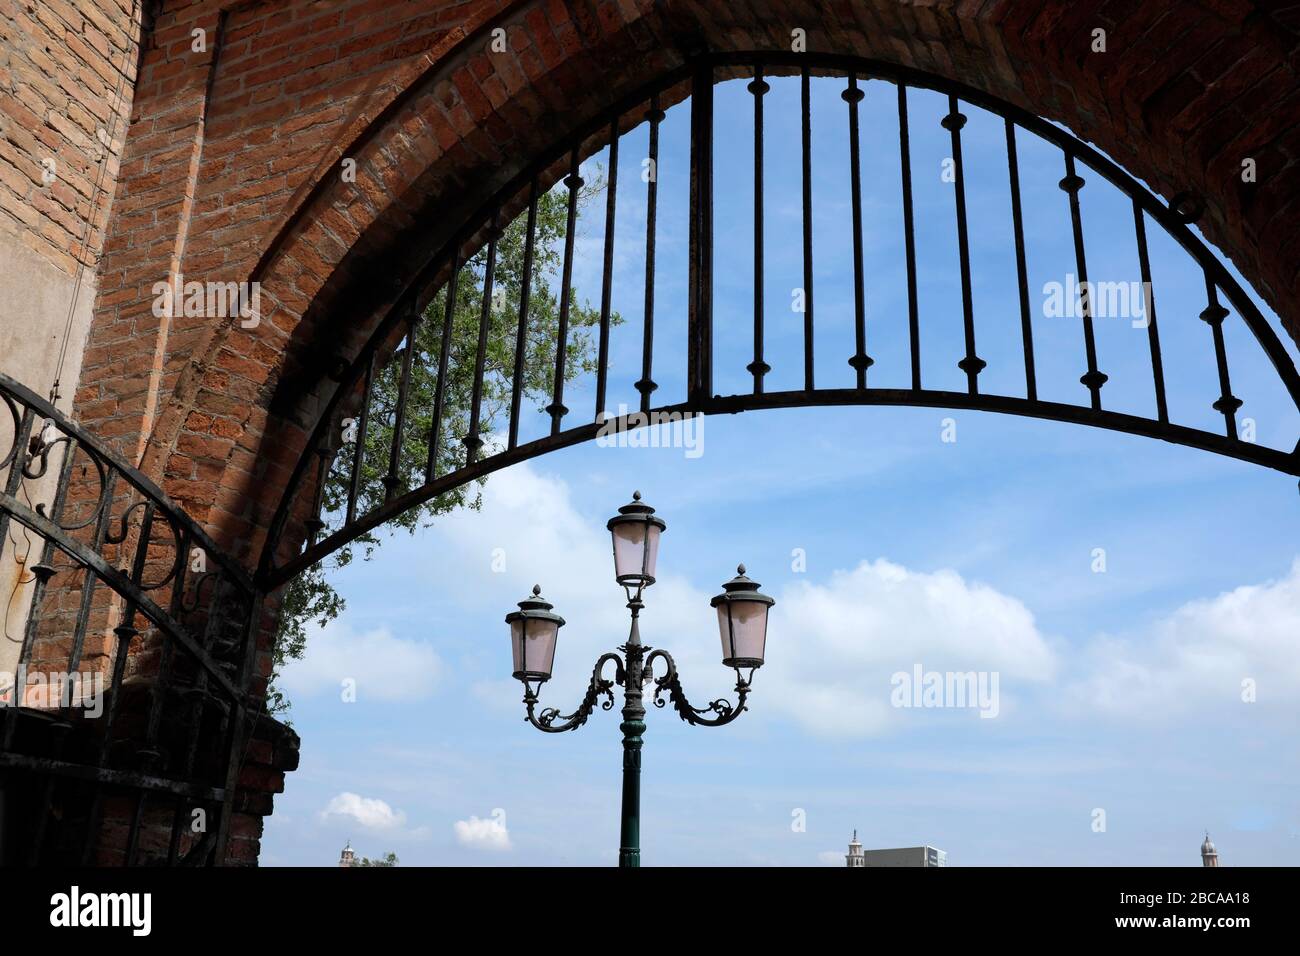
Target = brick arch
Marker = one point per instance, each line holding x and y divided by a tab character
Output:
1180	98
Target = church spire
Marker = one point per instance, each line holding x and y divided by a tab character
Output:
855	857
1209	855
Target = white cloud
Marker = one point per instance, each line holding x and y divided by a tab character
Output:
384	667
832	648
532	519
369	812
484	834
834	644
1199	655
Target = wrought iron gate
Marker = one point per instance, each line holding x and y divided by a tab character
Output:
430	302
133	658
124	589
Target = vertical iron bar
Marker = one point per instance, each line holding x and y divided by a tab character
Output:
556	409
15	477
1214	314
444	357
229	732
607	277
1022	271
860	361
47	557
521	337
197	696
133	833
758	368
700	279
90	580
971	363
238	716
645	385
1093	379
909	236
91	836
125	631
178	825
46	806
161	685
359	452
472	440
391	480
805	104
1149	302
315	523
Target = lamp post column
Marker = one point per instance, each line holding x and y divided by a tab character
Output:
633	726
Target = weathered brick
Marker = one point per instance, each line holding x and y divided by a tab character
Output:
231	164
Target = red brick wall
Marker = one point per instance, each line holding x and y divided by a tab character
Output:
223	144
230	169
229	172
67	70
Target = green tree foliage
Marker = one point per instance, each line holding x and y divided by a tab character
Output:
388	859
310	596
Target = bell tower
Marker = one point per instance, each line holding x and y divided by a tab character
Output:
348	858
1209	855
855	857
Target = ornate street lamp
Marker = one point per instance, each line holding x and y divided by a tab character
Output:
635	531
742	626
742	621
533	631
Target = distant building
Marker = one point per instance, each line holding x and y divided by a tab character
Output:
900	856
931	856
855	856
1209	855
348	858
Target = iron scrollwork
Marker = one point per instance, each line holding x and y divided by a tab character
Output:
722	709
599	685
135	551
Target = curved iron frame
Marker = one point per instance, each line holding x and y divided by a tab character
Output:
148	532
701	74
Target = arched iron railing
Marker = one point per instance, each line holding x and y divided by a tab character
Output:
419	309
131	657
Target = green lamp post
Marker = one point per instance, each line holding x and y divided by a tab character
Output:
534	632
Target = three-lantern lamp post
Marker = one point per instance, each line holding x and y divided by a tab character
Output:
534	631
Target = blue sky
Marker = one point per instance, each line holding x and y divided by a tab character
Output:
885	546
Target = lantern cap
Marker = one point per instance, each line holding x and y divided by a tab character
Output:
741	588
636	510
535	601
535	606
